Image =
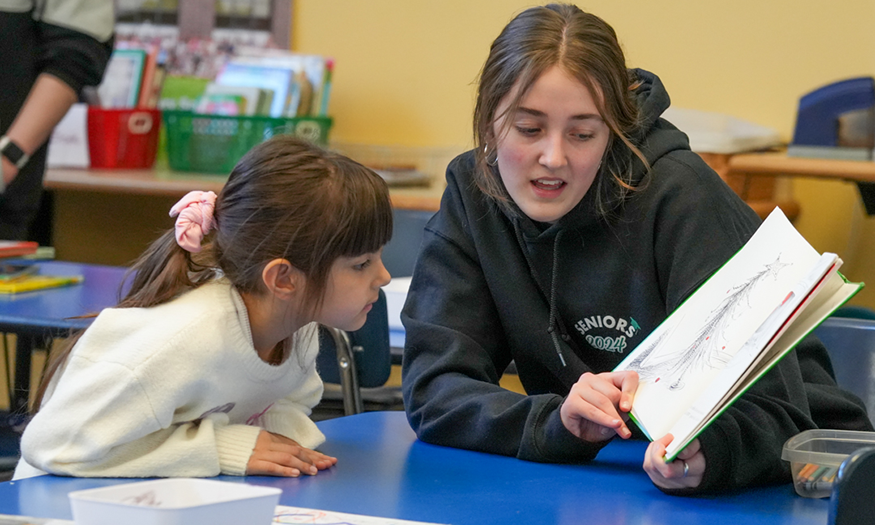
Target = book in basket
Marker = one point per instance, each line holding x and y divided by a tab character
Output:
732	330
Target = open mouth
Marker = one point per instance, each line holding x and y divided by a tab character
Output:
548	184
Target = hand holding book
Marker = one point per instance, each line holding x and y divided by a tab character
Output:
732	330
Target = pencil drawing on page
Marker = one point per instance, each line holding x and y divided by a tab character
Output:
706	349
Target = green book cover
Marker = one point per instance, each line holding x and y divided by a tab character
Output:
177	93
181	92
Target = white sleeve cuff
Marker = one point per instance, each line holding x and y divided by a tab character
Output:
234	444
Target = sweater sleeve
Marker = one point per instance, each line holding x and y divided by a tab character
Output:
290	416
113	428
75	40
456	351
76	59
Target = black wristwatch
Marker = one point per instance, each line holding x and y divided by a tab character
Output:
11	151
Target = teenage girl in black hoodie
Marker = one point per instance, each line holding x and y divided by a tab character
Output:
577	224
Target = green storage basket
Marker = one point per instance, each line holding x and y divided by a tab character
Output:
214	143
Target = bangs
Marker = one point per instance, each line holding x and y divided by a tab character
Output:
365	216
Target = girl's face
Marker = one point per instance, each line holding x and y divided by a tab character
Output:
552	146
353	288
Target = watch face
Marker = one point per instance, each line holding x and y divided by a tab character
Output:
11	151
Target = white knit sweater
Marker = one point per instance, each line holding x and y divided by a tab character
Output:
173	390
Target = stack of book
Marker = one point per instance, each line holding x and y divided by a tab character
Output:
20	271
133	79
214	77
256	82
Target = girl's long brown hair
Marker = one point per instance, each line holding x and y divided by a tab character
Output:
285	199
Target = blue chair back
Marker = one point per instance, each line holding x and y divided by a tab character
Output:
859	312
399	255
851	345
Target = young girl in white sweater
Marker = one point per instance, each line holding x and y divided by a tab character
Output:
207	366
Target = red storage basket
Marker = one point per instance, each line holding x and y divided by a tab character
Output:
123	138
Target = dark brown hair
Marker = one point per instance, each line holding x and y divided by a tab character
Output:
285	199
587	49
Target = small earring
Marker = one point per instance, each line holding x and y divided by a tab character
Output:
494	160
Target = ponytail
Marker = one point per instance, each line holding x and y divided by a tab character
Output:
165	270
161	273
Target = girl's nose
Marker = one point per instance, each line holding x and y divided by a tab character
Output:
383	276
553	154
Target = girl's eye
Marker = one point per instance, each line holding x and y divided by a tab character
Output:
527	131
584	136
362	265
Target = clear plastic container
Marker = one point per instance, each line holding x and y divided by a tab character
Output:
816	455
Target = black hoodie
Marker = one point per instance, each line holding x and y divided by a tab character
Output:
491	286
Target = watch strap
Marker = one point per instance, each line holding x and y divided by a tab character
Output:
13	152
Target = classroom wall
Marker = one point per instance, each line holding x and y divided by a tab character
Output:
406	70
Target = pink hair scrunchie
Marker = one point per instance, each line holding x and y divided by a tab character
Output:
195	219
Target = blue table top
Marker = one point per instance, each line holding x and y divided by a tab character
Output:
383	470
54	309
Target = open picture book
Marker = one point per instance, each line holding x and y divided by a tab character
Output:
732	330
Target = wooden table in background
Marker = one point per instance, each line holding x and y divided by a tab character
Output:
748	168
176	184
778	163
757	191
111	216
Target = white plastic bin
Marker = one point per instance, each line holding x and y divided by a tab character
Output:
178	501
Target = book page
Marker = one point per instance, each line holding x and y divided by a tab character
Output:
824	300
688	352
247	75
120	87
68	145
837	293
284	514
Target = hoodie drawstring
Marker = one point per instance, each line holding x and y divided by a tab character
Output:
553	281
551	328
